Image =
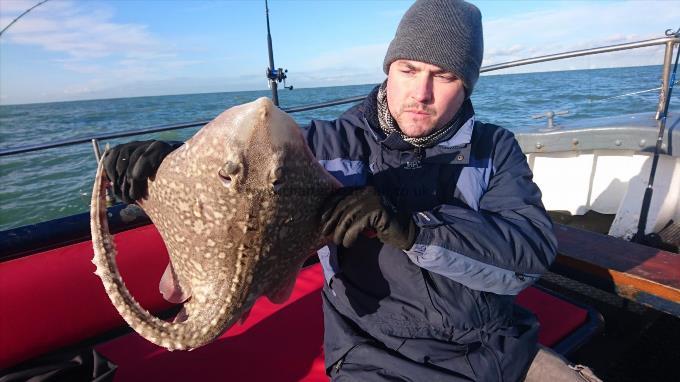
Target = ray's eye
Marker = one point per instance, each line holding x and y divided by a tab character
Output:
277	184
228	172
226	179
276	178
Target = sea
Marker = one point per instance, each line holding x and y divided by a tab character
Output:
57	182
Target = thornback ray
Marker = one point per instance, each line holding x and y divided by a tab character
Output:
238	209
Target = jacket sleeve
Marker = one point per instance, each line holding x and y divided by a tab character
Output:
340	148
505	245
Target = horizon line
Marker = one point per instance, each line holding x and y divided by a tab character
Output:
488	74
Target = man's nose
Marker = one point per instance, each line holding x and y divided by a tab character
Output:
422	88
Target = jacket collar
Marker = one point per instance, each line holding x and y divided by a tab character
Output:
368	110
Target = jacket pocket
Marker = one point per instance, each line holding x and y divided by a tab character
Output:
459	306
429	286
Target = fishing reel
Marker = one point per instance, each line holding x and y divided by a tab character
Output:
278	75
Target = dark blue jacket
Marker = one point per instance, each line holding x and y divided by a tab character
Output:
443	309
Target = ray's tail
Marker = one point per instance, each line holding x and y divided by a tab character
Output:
199	329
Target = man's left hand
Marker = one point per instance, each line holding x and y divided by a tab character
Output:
350	211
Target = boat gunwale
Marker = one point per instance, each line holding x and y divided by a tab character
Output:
630	132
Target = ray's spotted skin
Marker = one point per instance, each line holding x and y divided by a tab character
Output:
237	207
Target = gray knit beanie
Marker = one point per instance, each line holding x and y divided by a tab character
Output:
445	33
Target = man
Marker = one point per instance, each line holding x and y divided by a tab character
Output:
439	226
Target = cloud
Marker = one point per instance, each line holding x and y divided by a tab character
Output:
304	79
353	57
166	86
88	39
15	7
504	52
129	59
79	32
578	25
359	64
581	25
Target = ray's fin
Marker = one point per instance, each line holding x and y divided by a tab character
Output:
244	317
283	292
199	328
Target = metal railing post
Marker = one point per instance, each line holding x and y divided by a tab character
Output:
110	200
95	147
665	78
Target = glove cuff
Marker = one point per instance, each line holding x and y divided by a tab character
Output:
410	233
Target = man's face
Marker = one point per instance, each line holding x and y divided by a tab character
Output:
422	97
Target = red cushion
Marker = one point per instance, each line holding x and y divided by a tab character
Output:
53	299
284	342
558	317
276	343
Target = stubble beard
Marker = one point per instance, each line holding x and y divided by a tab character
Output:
411	126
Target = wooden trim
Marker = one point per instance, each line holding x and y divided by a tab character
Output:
631	270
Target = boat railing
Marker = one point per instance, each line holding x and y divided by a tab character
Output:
670	41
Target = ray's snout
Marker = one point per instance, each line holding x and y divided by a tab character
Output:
282	129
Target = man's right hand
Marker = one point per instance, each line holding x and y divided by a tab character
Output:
130	165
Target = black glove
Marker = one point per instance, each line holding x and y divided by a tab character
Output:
351	211
130	165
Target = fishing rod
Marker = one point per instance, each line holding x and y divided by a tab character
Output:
21	15
274	75
647	198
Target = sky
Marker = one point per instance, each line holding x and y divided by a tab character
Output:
91	49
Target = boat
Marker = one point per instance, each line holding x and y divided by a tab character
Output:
618	260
